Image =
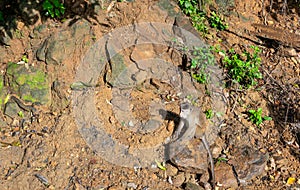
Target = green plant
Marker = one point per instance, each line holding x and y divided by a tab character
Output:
25	59
221	159
256	116
161	165
244	69
198	17
53	8
209	114
21	114
201	58
215	21
198	21
189	7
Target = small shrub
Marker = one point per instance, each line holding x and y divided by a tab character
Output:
215	21
198	17
256	116
189	7
244	69
53	8
201	58
209	114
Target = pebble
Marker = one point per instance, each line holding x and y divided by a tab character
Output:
179	179
192	186
132	185
270	22
171	170
291	52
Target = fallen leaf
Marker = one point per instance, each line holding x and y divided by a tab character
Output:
291	181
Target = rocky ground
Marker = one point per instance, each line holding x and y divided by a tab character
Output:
82	98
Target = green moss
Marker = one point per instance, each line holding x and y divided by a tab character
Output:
31	84
21	79
11	67
29	98
33	80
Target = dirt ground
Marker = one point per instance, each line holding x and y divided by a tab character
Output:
51	151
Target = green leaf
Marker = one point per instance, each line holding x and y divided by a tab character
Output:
160	166
209	114
21	114
267	118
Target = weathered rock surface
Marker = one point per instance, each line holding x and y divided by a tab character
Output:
225	176
248	163
62	45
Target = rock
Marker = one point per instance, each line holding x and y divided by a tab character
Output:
11	109
39	32
30	85
170	7
171	170
191	158
60	98
4	37
62	45
224	6
183	22
3	92
117	67
178	180
248	163
192	186
270	22
225	176
131	185
291	52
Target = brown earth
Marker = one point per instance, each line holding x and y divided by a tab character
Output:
52	154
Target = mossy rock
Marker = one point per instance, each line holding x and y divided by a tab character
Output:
30	84
118	66
3	92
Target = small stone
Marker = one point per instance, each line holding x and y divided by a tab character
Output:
225	176
270	22
131	185
192	186
217	148
291	52
171	170
130	124
205	178
154	177
179	179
